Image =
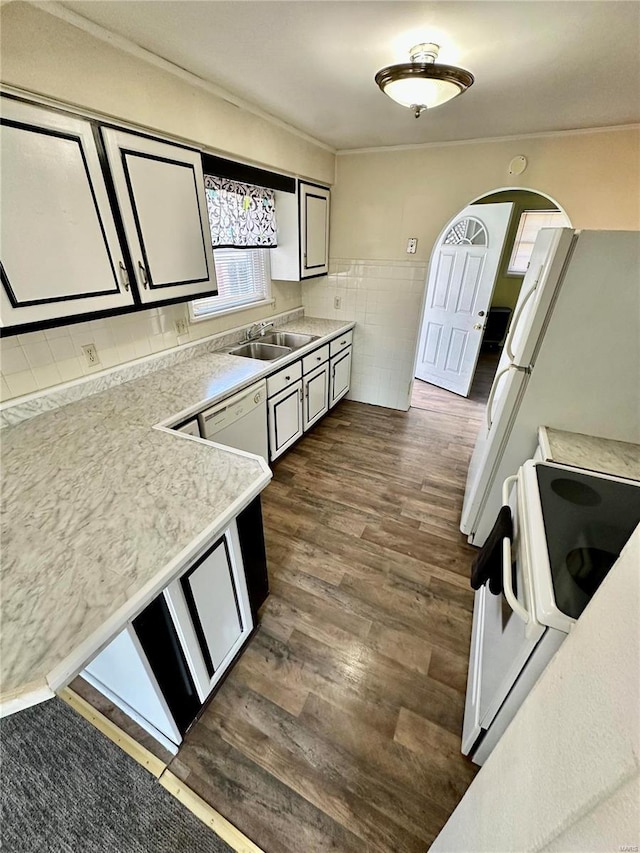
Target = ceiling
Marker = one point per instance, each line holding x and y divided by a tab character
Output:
539	65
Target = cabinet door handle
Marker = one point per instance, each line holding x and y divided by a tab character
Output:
301	398
306	392
124	275
143	275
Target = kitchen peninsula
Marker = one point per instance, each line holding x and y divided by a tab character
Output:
102	510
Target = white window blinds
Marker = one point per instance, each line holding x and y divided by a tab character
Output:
530	223
243	278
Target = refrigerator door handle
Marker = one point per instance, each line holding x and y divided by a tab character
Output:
492	394
507	582
518	314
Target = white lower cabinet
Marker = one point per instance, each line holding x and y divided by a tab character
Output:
315	395
210	608
285	419
340	376
164	664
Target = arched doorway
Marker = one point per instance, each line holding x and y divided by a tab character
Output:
470	296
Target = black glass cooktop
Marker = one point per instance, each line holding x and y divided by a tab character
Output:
588	520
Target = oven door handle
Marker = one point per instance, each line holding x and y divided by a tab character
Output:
507	582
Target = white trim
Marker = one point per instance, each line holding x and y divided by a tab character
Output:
416	146
123	44
260	303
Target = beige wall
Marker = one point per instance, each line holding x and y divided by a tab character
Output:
43	54
380	199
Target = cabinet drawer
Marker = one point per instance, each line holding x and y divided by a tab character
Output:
315	359
283	378
340	343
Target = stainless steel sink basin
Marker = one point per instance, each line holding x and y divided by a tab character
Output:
288	339
260	350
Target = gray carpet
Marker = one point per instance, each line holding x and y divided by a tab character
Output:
66	788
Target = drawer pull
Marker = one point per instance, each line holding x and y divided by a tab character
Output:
287	378
342	343
319	358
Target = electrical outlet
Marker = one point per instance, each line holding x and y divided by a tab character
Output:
337	302
182	327
412	244
91	355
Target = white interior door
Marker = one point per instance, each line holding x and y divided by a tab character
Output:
462	276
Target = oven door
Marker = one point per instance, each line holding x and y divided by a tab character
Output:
504	632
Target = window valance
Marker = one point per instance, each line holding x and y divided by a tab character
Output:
241	216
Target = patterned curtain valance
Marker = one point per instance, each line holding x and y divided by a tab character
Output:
241	216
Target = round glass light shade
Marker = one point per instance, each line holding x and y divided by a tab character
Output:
427	84
418	91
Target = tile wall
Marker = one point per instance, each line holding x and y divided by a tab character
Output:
385	300
44	359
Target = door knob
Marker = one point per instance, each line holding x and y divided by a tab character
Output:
478	326
480	313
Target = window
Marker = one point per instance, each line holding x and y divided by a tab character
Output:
243	279
530	223
243	227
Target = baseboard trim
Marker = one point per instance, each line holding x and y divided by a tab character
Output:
207	814
139	753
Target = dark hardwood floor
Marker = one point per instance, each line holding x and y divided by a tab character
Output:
339	728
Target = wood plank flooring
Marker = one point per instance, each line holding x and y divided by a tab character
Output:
339	728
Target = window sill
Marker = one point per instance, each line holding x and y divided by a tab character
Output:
232	310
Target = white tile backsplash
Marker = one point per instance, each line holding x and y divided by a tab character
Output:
384	298
38	360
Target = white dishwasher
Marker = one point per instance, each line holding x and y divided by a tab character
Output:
239	421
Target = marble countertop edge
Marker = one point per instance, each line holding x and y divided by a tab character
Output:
263	369
67	669
42	682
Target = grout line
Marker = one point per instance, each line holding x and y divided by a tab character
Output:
139	753
207	814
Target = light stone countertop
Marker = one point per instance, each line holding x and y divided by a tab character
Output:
620	458
100	511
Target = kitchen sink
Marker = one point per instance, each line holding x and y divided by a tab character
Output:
288	339
260	350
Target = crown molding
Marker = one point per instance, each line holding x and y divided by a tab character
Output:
121	43
418	146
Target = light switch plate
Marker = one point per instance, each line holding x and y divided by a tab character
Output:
412	244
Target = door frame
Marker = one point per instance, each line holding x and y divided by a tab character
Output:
436	246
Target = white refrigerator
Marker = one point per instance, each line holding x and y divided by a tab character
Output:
571	360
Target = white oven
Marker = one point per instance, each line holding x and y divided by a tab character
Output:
569	527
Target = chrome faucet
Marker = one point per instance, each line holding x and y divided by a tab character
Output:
256	331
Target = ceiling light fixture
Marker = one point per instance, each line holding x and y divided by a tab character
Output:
423	84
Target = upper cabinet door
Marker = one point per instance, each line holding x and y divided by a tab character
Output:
160	190
59	247
314	230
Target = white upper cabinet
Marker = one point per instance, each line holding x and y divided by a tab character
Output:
314	230
59	247
303	233
160	190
